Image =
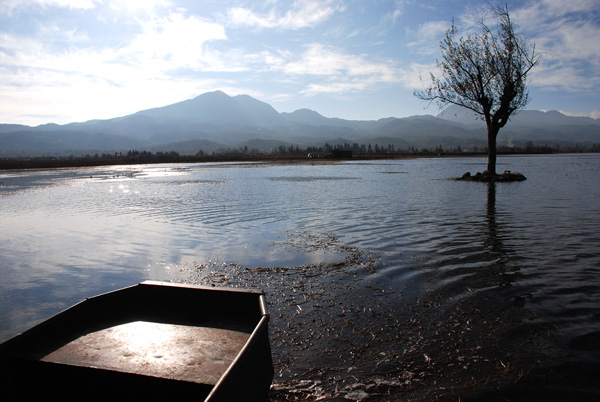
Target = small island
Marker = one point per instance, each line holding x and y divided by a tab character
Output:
488	177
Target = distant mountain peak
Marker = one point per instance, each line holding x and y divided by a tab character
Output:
216	93
305	116
215	119
306	113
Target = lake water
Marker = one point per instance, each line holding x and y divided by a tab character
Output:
397	226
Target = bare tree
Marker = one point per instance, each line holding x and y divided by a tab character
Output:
486	73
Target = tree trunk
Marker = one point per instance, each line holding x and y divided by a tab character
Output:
492	134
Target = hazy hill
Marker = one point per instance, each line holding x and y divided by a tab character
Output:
214	121
523	118
539	127
216	108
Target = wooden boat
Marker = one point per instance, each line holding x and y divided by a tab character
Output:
153	339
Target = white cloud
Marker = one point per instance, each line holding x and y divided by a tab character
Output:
545	9
164	44
138	5
566	35
331	71
565	78
427	37
397	10
9	6
565	30
302	13
176	39
85	84
321	60
84	98
416	76
126	55
61	70
318	60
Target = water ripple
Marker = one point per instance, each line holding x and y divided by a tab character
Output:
109	225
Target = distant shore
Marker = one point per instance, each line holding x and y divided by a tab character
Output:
68	162
51	162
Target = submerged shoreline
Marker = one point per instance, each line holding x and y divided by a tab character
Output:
337	336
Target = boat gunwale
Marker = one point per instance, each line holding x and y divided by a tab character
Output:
235	364
73	309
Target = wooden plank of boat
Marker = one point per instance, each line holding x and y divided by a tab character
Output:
151	339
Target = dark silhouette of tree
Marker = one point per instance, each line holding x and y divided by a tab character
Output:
486	73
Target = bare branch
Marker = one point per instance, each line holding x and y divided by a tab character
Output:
485	72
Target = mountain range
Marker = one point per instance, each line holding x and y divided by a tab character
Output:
215	121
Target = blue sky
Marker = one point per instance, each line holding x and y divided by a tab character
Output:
74	60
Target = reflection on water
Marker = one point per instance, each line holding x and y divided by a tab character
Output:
71	233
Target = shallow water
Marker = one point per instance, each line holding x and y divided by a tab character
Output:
71	233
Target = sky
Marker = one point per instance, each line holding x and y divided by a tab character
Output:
65	61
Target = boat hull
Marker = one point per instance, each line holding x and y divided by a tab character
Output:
152	339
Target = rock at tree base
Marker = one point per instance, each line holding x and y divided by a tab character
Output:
487	177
